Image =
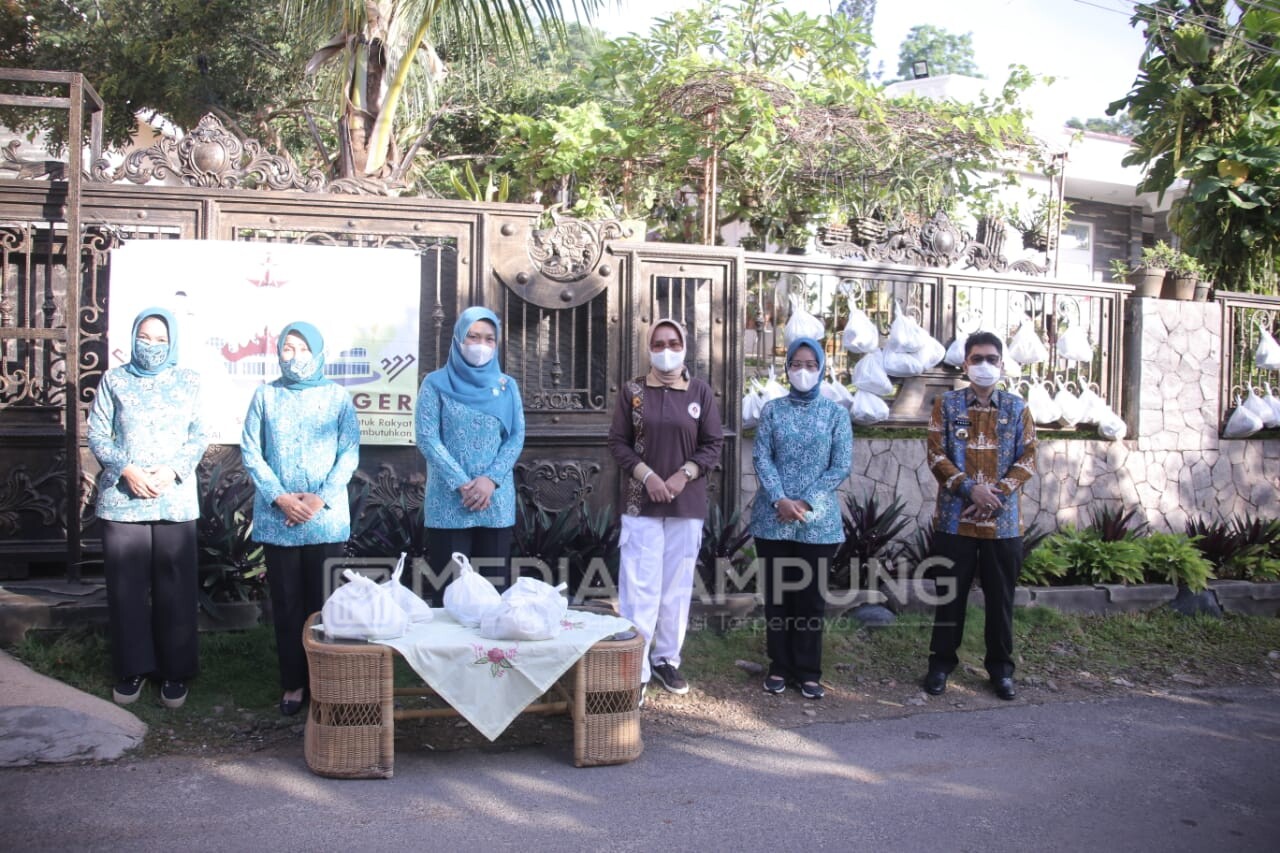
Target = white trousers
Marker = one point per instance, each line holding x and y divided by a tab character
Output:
655	582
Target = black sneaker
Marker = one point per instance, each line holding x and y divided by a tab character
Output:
173	694
775	684
127	691
812	690
671	680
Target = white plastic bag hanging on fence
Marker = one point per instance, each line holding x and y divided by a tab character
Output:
1025	347
1073	345
1242	423
1043	408
773	389
1069	406
470	595
1267	355
869	375
1274	402
932	353
905	335
860	334
867	409
802	324
362	610
1092	406
752	403
529	610
837	393
903	364
1259	407
1111	426
415	608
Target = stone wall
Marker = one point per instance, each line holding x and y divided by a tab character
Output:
1172	464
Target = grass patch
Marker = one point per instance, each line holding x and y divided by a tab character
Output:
233	704
1144	648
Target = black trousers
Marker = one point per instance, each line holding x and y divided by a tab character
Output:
998	562
152	581
492	545
794	606
296	578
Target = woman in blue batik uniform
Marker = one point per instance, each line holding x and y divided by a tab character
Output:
301	446
470	428
803	450
145	430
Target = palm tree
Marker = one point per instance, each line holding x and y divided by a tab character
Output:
390	62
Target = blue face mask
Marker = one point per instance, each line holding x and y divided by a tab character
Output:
299	368
149	356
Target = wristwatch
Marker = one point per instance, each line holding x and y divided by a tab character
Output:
688	471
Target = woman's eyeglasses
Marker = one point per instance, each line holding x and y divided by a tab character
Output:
659	346
803	365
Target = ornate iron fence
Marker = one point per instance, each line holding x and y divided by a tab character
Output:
1245	317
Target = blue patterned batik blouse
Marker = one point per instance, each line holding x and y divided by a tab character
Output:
803	451
302	440
147	421
460	444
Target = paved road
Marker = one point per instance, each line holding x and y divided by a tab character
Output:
1191	772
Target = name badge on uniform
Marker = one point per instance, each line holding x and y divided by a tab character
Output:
695	411
962	428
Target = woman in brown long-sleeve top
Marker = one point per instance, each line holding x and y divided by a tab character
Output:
666	435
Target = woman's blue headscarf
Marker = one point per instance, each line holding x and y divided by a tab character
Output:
484	389
315	342
812	393
136	366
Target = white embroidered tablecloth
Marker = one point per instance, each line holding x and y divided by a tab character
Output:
489	682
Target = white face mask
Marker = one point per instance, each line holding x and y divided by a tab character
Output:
803	380
983	375
477	355
667	360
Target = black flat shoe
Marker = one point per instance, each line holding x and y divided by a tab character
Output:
935	682
290	707
1004	688
775	684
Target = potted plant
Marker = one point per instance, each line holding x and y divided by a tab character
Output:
1120	269
231	566
1157	260
1036	227
1187	272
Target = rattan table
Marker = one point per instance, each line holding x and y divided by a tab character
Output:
350	729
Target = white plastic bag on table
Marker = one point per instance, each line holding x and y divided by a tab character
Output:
1026	347
837	393
867	409
1073	345
869	375
1111	426
529	610
802	324
1043	408
1267	355
902	364
362	610
1069	406
905	335
1242	423
470	596
860	334
415	608
1259	407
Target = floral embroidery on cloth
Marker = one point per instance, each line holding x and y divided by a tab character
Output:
498	660
566	625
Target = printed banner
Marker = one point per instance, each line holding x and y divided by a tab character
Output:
231	299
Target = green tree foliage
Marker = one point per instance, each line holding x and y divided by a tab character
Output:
863	12
946	52
768	104
179	58
1206	100
1121	124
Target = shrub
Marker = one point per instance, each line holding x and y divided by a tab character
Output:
1174	558
723	540
1115	524
1245	548
1088	558
232	566
869	531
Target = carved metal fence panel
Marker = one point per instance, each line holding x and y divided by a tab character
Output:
1245	319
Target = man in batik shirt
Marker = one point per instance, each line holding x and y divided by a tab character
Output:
982	450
